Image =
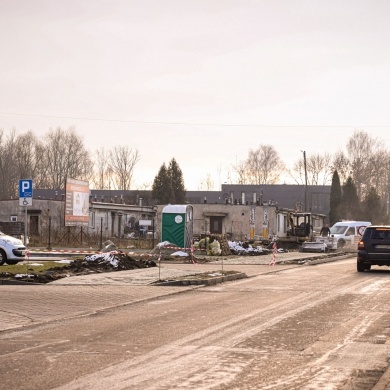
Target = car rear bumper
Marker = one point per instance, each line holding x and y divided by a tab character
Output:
368	259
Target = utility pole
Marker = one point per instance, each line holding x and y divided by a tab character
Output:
304	164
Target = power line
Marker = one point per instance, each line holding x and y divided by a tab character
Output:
193	124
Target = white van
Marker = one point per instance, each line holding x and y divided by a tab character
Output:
348	232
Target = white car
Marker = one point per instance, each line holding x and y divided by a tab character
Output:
348	232
12	250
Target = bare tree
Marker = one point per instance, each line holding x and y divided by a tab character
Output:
8	170
144	187
318	168
342	165
206	184
298	172
241	172
22	156
263	166
122	162
361	147
30	158
101	172
385	189
65	157
379	172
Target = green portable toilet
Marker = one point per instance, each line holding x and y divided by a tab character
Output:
178	225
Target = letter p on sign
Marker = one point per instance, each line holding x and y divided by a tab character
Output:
25	192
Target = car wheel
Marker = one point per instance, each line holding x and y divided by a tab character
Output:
3	257
367	267
341	243
361	267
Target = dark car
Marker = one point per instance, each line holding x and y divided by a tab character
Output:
374	248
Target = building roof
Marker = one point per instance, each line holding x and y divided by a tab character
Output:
283	195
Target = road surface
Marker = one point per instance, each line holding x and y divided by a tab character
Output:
305	327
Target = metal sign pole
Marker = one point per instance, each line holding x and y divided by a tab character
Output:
25	199
25	226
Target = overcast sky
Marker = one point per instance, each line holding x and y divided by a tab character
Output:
200	81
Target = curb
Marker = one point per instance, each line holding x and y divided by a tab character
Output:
329	259
13	282
204	282
318	259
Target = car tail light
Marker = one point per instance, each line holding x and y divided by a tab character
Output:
361	245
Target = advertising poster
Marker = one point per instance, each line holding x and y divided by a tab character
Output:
77	203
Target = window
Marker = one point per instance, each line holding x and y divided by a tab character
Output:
376	234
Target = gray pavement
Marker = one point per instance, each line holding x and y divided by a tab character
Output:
30	305
24	305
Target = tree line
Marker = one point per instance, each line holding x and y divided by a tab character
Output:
363	171
345	203
61	153
366	162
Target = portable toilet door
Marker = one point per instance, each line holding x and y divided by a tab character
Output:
177	225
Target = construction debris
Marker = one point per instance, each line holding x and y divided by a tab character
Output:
245	249
98	263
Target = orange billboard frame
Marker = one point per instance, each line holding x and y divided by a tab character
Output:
76	202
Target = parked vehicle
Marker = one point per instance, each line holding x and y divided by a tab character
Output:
12	249
374	248
293	226
348	232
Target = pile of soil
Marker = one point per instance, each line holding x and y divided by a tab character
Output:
109	262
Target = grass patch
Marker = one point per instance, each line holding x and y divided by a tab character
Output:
30	267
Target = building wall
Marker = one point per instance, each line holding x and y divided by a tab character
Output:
236	219
118	219
107	219
37	215
266	221
239	221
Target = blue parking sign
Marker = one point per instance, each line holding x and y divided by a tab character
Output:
25	192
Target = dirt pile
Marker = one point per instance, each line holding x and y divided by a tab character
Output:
99	263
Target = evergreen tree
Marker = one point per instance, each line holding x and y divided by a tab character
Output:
335	199
168	185
177	182
350	201
162	186
371	207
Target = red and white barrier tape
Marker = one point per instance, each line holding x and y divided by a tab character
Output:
193	261
274	252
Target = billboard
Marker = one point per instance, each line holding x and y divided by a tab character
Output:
76	202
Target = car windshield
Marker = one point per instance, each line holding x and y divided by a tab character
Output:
338	229
380	234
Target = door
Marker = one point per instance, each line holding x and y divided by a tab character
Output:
34	231
216	225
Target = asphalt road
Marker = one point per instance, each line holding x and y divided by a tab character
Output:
289	326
